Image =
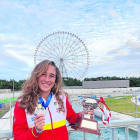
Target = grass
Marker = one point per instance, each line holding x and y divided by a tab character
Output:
2	112
123	105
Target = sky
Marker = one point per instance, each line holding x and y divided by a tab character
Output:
110	29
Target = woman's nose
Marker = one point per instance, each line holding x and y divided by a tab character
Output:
47	78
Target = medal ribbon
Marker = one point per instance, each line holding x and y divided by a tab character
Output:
104	111
41	101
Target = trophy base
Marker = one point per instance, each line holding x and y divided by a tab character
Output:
85	130
86	125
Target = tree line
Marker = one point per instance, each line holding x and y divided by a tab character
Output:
5	84
134	82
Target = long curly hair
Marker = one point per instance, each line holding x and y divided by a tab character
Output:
31	90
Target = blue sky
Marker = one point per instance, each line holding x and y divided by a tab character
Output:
110	29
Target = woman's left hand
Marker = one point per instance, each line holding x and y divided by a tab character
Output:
87	112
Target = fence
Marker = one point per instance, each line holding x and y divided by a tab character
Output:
115	124
6	91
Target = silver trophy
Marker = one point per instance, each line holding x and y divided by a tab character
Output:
89	103
86	123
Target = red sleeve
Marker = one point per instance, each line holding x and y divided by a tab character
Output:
71	115
20	127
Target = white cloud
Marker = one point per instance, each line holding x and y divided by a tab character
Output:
102	60
113	13
23	46
2	39
24	69
120	52
1	63
27	59
17	73
135	75
133	43
8	70
11	5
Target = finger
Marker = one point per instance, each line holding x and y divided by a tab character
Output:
38	120
85	111
81	113
40	115
40	124
91	112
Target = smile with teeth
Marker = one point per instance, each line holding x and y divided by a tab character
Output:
46	85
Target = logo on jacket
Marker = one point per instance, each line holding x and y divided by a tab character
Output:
57	109
55	103
32	118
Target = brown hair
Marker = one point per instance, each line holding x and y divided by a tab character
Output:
30	90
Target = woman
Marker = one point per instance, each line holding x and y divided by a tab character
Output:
43	87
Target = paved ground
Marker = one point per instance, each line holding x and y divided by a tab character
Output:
10	95
6	121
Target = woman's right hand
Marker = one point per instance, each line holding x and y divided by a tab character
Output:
39	121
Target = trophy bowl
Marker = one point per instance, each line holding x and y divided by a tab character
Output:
86	123
89	103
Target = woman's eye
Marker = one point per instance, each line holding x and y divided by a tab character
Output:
43	74
51	75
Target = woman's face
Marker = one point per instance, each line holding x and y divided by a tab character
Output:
47	80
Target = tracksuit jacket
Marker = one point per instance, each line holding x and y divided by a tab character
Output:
54	128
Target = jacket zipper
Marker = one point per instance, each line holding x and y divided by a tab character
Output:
51	122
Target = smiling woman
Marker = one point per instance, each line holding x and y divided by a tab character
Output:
46	81
42	110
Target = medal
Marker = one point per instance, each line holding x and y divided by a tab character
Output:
41	106
39	109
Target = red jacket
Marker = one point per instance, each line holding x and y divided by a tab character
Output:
22	131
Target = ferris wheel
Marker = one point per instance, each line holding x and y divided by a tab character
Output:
67	51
